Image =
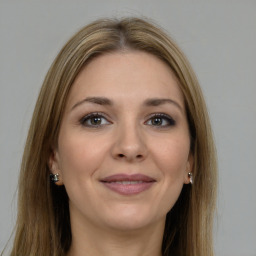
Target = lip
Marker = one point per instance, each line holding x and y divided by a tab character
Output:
126	184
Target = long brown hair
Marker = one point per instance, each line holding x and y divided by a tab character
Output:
43	225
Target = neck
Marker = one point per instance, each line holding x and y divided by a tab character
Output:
96	241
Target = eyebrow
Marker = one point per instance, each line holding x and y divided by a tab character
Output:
95	100
107	102
158	102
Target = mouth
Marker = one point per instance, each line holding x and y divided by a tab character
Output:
128	184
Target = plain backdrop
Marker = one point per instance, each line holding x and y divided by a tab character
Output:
219	38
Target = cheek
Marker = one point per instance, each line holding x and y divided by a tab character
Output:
79	156
171	157
79	160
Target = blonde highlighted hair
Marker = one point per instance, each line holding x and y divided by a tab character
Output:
43	225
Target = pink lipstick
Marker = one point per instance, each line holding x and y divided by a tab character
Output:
128	184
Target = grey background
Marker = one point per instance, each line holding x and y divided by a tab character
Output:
219	38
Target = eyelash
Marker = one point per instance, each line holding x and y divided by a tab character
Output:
160	116
90	116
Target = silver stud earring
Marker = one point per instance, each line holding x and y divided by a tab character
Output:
54	177
190	175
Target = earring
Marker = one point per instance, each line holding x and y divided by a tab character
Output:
190	175
54	177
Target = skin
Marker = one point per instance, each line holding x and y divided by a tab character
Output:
126	140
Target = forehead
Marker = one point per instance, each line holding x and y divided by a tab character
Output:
123	75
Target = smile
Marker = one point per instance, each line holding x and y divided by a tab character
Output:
128	184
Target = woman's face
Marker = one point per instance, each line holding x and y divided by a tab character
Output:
123	147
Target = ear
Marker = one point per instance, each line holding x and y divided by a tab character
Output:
189	168
53	164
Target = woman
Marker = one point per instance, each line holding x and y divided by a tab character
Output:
119	158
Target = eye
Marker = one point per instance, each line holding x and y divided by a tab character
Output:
94	120
161	120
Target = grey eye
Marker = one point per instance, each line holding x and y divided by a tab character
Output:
161	120
157	121
94	120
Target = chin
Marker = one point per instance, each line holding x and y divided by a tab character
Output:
129	219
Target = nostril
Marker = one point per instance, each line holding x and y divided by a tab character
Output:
122	156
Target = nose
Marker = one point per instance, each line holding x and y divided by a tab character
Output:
129	144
